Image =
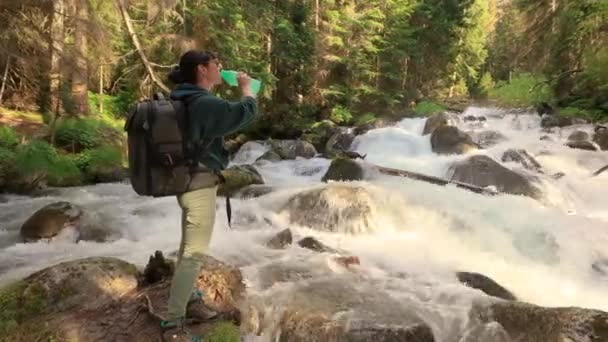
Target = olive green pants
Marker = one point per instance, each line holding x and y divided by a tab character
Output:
198	217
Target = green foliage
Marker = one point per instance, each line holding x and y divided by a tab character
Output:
224	332
523	90
340	114
40	159
588	114
426	108
8	137
114	107
81	133
64	172
485	85
365	119
99	160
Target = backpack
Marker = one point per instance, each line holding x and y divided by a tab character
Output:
162	160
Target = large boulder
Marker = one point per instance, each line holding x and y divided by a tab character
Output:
335	208
290	149
343	169
601	137
438	120
237	177
85	284
530	323
50	221
451	140
484	284
487	139
334	310
100	299
522	157
483	171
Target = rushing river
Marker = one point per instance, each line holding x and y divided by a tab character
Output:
542	251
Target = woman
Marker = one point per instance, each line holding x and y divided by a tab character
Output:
210	118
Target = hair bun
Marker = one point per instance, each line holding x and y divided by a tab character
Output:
176	75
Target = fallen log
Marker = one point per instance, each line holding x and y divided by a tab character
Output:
596	173
435	180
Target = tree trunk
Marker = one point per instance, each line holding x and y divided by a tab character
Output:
4	77
101	89
80	74
127	21
317	15
56	47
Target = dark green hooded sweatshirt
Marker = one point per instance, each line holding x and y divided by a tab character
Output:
210	118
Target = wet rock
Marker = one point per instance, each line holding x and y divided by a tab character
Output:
600	137
483	171
438	120
290	149
334	310
578	136
582	145
487	139
484	284
254	191
451	140
335	207
522	157
555	121
281	240
158	268
530	323
546	138
347	261
340	141
86	284
223	285
50	221
343	169
270	155
238	177
314	245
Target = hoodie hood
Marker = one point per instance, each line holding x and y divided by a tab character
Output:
187	89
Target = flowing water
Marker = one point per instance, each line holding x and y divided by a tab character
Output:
541	251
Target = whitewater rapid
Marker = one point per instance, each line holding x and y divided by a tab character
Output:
543	252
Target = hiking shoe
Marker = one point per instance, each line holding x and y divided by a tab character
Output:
179	323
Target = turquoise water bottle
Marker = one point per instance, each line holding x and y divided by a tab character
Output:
229	76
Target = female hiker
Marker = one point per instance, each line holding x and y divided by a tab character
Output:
210	118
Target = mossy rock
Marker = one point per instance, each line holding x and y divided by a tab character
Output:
19	302
237	177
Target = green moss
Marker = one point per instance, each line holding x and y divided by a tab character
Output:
224	332
425	108
18	303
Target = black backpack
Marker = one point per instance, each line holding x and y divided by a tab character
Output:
162	160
